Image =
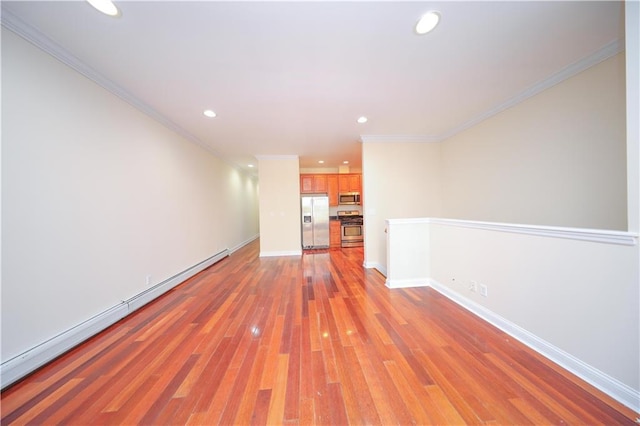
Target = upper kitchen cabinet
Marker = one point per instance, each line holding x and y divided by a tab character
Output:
313	184
349	183
332	185
306	184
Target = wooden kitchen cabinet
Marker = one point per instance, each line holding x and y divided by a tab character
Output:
349	183
332	187
306	184
330	184
334	233
320	183
313	184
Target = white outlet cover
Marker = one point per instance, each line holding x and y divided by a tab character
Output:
484	291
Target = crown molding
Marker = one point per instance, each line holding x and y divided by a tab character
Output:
40	40
277	157
399	138
43	42
606	52
609	50
34	36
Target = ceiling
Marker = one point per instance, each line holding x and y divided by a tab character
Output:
291	78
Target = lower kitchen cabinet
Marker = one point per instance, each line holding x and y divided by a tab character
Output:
334	233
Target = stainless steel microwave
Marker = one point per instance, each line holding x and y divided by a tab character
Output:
349	198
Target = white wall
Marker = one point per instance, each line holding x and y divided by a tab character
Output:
632	42
96	196
399	180
280	218
578	300
557	159
579	296
571	294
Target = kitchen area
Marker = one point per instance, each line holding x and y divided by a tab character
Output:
331	210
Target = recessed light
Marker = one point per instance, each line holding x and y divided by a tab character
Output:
321	161
345	162
209	113
250	165
428	22
105	6
362	120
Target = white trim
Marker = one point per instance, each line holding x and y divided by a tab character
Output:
416	282
28	361
281	253
14	369
141	299
46	44
600	55
242	244
375	265
399	138
611	49
39	39
277	157
408	221
609	385
583	234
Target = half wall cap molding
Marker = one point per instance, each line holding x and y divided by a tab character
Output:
592	235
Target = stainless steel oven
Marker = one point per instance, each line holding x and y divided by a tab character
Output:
351	229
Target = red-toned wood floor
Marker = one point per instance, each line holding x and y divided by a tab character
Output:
304	340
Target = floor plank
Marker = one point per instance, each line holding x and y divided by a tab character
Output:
315	339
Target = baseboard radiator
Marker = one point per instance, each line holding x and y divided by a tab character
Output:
19	366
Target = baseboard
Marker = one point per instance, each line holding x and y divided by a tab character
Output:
18	367
375	265
28	361
607	384
281	253
141	299
244	243
406	283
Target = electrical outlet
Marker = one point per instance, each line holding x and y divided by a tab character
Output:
148	279
473	286
484	291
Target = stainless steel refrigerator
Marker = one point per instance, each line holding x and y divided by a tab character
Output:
315	221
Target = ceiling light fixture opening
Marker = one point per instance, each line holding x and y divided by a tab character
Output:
345	162
362	119
105	6
321	161
209	113
428	22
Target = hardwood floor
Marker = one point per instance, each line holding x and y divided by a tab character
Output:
315	339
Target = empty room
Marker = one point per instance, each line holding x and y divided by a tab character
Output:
384	212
